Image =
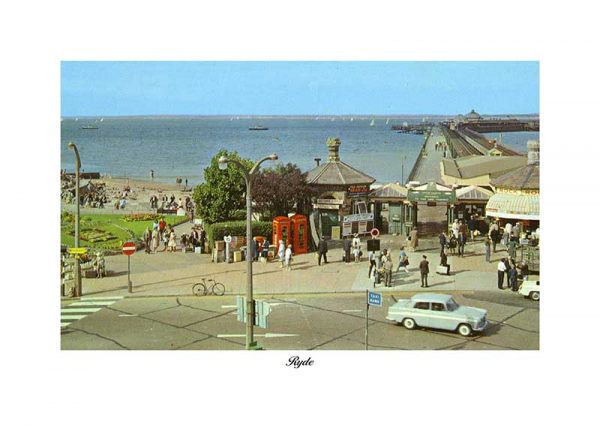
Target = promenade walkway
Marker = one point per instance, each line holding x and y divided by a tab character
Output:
172	274
427	167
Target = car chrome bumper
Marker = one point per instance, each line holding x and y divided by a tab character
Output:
481	327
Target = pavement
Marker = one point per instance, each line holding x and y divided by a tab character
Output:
174	273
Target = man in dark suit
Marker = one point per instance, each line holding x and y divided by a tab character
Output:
424	267
442	241
322	248
347	245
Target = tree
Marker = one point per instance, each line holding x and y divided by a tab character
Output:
223	191
276	191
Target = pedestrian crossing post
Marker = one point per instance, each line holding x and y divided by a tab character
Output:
367	323
129	286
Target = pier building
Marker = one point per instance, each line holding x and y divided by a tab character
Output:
340	207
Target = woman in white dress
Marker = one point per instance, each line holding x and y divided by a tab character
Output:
172	241
356	248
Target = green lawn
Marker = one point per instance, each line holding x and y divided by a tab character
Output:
108	231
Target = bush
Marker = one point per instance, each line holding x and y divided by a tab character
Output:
217	231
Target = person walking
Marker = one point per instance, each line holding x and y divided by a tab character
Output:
372	262
387	271
512	247
501	271
322	248
172	241
487	248
512	278
147	239
462	240
472	226
455	228
281	253
254	249
506	235
414	239
444	262
494	235
356	248
402	260
155	240
347	246
525	271
442	238
424	268
288	257
265	248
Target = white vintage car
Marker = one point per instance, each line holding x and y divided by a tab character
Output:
438	311
531	289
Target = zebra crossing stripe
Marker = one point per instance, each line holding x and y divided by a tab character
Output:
79	310
100	303
72	316
100	298
69	313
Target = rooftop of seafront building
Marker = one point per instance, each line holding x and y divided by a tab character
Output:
478	165
336	172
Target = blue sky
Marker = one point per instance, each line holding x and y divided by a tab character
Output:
306	88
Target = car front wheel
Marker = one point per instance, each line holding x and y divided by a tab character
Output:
464	330
409	324
535	296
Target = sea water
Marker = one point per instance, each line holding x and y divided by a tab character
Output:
184	146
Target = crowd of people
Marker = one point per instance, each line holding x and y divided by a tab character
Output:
170	203
165	233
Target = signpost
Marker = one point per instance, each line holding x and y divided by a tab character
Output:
129	249
373	298
261	311
78	251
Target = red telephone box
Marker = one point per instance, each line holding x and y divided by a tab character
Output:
300	233
281	231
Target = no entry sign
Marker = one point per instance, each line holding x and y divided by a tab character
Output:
374	232
129	248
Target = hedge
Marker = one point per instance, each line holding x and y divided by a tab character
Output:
217	231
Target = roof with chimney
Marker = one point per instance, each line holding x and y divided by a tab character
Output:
336	172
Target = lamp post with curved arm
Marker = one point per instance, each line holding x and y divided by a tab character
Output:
78	288
248	176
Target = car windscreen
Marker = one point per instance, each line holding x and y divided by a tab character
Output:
451	305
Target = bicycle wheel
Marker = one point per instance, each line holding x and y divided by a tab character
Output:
199	289
218	288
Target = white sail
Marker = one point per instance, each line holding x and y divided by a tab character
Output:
372	123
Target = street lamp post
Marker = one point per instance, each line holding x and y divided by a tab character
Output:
248	176
78	288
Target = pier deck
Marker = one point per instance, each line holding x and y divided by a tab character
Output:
427	167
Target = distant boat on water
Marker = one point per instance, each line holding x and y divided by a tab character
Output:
258	127
89	127
351	119
387	121
372	123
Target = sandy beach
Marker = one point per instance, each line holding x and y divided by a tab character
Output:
138	198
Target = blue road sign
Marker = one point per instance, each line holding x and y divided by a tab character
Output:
374	299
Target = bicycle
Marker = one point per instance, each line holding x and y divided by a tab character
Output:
201	288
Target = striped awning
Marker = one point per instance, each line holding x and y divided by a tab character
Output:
514	206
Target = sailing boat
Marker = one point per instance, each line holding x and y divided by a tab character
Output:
372	123
387	121
351	119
